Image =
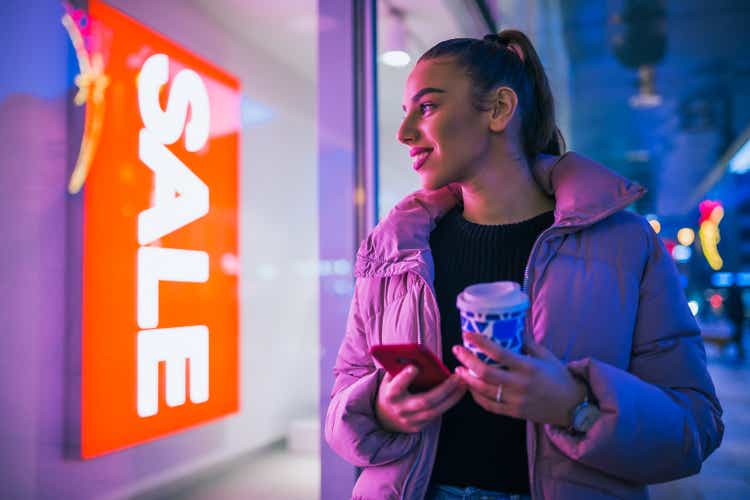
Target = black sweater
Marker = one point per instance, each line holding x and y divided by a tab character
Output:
478	448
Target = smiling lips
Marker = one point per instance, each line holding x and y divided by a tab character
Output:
420	156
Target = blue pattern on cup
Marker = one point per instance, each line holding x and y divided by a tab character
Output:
504	329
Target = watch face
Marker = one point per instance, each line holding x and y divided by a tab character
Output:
585	418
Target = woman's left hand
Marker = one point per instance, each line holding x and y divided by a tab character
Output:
536	387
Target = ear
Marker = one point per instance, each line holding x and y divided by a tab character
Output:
504	104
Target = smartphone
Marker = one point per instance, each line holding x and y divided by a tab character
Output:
396	357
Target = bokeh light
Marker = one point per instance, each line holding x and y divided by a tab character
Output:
694	307
686	236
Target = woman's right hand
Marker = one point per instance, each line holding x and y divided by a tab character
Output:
398	410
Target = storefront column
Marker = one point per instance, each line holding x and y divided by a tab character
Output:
346	186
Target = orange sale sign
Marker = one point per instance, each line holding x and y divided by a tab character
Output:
160	287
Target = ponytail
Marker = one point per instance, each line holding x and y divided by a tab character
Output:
540	131
508	58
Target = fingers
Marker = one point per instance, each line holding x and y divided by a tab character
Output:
485	395
491	405
482	387
433	397
492	374
421	418
477	384
495	352
400	383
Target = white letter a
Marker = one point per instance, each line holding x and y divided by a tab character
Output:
171	177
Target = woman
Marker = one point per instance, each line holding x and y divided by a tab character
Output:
612	393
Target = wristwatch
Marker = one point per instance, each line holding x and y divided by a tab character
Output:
584	415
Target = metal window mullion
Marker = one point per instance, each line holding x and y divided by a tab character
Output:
365	118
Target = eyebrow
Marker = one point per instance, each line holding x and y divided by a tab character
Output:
424	91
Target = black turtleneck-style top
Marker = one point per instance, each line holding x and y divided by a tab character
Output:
478	448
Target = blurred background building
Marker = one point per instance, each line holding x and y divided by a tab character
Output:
658	90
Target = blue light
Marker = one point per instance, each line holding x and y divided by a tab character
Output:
740	162
722	279
683	281
743	279
681	253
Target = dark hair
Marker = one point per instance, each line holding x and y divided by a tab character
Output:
490	63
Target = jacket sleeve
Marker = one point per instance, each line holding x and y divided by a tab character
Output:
351	428
660	419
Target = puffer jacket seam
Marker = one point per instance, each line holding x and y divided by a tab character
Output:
367	315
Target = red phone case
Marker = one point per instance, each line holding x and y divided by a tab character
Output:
396	357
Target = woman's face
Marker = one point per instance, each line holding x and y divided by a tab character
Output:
447	136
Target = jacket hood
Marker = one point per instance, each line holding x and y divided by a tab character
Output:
584	191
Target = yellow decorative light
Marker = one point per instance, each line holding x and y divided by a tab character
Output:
91	83
686	236
709	237
717	214
656	225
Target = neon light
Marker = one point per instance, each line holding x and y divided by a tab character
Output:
711	214
706	209
709	237
92	83
717	214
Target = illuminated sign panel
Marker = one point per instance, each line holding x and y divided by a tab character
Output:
160	304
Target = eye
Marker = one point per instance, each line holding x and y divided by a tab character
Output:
426	107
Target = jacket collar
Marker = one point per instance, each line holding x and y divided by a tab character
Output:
585	192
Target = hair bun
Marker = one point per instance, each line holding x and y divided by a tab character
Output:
514	47
494	38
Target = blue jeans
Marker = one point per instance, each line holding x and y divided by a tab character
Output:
445	492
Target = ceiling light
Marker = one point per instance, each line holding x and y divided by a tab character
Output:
396	58
395	53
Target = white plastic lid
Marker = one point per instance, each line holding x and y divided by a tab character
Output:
493	298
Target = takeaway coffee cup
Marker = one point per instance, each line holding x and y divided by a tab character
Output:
496	310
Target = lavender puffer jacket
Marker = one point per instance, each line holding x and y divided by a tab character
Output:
605	299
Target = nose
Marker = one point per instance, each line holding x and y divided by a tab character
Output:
407	133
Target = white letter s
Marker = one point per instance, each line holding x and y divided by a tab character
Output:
187	89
